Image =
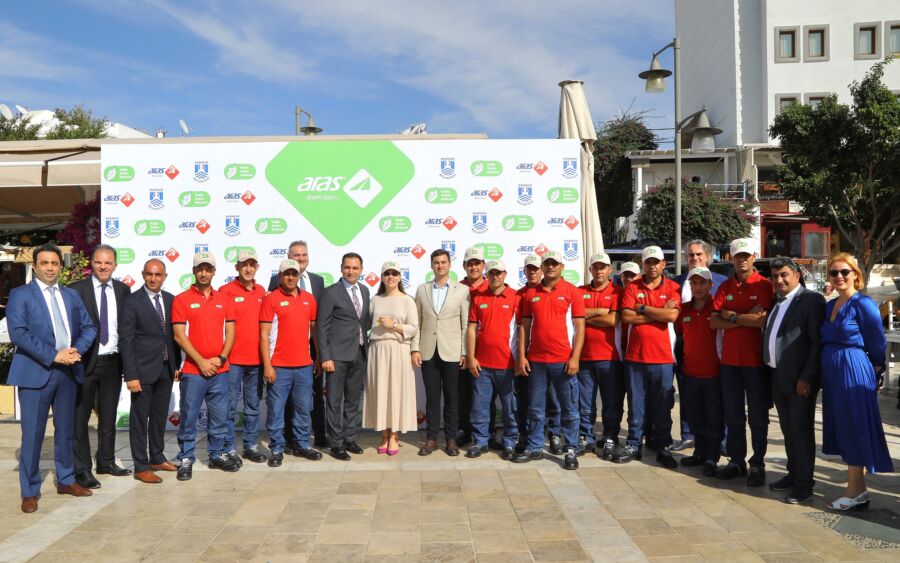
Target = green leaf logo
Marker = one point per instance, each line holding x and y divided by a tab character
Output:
486	168
231	253
562	195
236	171
394	224
518	223
194	199
186	281
118	174
492	251
327	278
149	228
439	196
570	276
124	255
271	226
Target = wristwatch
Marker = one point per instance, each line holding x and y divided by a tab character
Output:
223	358
641	309
732	318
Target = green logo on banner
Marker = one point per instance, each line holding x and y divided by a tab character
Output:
237	171
518	223
118	174
486	168
124	255
562	195
440	195
231	253
149	228
394	224
271	226
430	276
186	281
570	276
340	186
492	250
328	278
193	199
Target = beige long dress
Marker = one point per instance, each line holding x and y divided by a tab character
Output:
390	382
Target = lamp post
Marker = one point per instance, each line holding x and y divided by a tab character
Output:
655	78
310	128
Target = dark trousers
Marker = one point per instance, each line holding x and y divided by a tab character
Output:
701	401
650	401
686	432
147	422
465	401
796	416
737	383
521	387
100	390
440	376
603	377
317	415
343	414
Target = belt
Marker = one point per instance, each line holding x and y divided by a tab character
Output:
108	357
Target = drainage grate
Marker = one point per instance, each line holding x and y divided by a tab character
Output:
872	529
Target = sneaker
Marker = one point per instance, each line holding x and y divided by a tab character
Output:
254	455
556	446
521	446
664	457
786	483
626	454
756	477
583	445
276	460
710	468
185	470
476	451
495	444
223	462
692	461
571	460
525	457
731	470
680	445
463	438
608	451
508	454
233	456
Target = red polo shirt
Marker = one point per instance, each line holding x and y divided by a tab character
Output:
600	343
494	314
742	345
205	317
290	316
549	311
700	356
650	343
481	289
245	304
524	294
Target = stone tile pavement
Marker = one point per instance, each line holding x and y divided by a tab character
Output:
409	508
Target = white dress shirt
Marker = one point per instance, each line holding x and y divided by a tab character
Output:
62	307
162	304
112	346
783	306
439	295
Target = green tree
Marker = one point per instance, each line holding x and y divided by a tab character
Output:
705	215
78	123
17	129
842	164
612	168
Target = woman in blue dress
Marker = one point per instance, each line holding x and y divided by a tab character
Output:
853	355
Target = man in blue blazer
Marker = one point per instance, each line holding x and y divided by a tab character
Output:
51	329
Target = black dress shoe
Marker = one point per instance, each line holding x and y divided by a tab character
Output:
254	455
508	454
495	444
664	458
731	470
710	468
86	479
692	461
341	454
757	477
521	446
476	451
185	470
428	447
786	483
525	457
570	462
798	495
308	453
463	438
556	446
353	448
113	470
626	454
276	460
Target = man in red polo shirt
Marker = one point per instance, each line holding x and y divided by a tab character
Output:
473	262
700	388
287	320
203	326
551	357
740	308
491	320
246	297
533	275
649	309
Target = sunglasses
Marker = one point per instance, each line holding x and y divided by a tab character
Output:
390	273
845	272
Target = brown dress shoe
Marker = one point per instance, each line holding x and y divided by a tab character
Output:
452	448
167	466
74	489
429	447
148	477
29	505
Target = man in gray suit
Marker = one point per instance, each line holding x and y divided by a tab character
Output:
343	323
439	348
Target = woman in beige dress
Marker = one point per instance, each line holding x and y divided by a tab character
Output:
390	404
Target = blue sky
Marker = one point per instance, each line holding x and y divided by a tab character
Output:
360	67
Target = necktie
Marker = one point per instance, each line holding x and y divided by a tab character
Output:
358	306
162	323
104	316
769	325
59	326
302	283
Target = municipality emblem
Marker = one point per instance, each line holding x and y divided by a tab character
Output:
111	225
232	225
404	277
201	170
449	246
156	199
570	167
570	249
479	222
201	248
448	167
522	279
526	193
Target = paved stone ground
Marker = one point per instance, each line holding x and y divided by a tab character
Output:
435	509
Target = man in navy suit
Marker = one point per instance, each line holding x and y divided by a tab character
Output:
51	329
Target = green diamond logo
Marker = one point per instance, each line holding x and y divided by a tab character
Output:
340	186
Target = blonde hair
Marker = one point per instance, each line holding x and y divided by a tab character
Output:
850	261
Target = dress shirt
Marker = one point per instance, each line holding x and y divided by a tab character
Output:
349	287
162	303
783	306
112	319
439	295
62	307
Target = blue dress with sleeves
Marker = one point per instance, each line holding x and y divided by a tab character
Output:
851	419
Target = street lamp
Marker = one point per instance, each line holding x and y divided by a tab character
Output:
655	78
310	128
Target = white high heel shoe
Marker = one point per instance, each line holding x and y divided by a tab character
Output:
843	504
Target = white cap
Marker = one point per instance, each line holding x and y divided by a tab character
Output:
247	254
473	253
630	267
498	265
204	258
533	260
288	264
700	271
390	265
652	252
552	255
745	245
601	258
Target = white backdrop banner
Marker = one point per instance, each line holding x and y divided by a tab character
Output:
382	199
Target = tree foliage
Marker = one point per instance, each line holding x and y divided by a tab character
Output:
78	123
705	215
842	164
18	129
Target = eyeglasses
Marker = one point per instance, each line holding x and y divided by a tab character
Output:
391	273
845	272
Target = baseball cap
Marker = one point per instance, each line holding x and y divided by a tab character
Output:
746	245
533	260
247	254
700	271
288	264
495	265
390	265
600	257
473	253
652	252
204	258
630	267
552	255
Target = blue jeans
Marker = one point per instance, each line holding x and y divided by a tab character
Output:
483	388
194	390
650	401
736	383
543	376
686	433
554	413
250	378
294	384
605	377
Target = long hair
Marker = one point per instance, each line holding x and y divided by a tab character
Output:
851	261
382	289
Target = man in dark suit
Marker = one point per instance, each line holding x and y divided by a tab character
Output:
344	321
315	284
51	330
150	358
791	350
103	298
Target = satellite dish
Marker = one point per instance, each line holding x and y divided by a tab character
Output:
184	127
5	111
415	129
21	109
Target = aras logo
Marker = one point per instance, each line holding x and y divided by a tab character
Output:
418	251
171	172
495	195
540	249
372	279
128	280
202	226
126	199
248	197
571	222
450	222
172	254
539	167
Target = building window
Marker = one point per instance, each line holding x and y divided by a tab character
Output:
815	98
816	43
784	100
787	48
892	39
865	40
